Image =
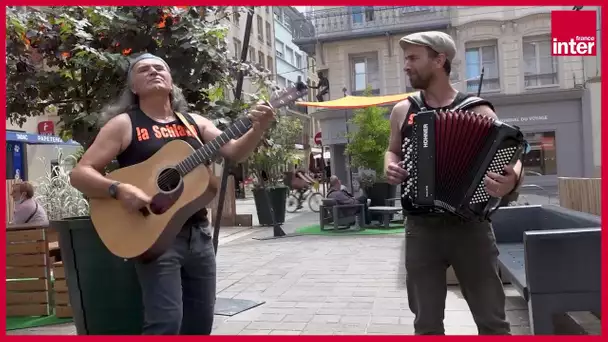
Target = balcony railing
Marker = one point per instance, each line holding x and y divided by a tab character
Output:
338	22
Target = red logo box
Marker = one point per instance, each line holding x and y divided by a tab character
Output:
574	33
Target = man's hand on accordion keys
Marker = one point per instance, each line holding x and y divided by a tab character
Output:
395	173
498	185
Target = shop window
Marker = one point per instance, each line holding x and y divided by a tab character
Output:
541	160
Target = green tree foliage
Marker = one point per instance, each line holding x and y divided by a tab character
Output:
369	142
76	58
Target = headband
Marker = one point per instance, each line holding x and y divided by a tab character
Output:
141	58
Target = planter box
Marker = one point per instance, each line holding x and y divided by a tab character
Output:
378	194
278	199
103	289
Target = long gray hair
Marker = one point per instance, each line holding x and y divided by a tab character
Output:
128	101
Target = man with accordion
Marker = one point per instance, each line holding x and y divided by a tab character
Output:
456	163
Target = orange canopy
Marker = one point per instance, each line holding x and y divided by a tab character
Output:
357	101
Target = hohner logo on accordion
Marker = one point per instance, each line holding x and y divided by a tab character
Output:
425	136
448	155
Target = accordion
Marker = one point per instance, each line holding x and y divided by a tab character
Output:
447	157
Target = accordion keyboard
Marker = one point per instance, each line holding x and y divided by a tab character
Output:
501	159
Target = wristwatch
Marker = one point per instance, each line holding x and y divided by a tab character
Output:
113	190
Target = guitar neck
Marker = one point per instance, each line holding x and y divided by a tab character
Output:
209	150
241	126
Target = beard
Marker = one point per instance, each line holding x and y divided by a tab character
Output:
418	81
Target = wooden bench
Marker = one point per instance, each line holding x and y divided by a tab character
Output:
60	287
33	260
552	256
28	273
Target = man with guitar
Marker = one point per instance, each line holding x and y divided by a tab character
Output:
436	240
178	287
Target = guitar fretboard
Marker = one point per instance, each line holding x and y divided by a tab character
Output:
211	149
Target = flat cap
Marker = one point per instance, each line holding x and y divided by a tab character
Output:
440	42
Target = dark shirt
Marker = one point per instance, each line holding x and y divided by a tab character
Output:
149	136
341	197
323	83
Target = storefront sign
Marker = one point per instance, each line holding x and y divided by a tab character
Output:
38	139
46	128
524	119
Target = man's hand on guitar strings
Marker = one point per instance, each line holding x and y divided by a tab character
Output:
261	116
132	197
498	185
395	173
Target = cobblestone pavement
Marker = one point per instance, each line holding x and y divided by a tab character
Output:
323	285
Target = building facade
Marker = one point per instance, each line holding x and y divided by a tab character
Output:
293	66
261	39
291	63
550	98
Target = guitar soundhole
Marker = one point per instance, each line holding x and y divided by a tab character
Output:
168	180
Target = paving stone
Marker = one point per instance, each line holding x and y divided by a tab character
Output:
255	332
401	329
325	319
298	318
458	318
384	320
460	330
518	317
285	332
355	319
520	330
229	328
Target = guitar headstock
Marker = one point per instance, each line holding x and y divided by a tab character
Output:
288	96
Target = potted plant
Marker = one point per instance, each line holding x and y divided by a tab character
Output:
103	289
267	167
367	146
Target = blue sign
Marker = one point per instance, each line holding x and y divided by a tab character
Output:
37	139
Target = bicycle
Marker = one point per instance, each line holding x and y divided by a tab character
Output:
313	196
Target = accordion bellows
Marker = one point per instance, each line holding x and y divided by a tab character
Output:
449	154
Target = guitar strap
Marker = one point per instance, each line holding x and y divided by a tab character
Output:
181	118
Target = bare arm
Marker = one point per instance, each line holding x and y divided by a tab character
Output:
237	150
397	118
112	139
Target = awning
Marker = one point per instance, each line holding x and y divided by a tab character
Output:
348	102
38	139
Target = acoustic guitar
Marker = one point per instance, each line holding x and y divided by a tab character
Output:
180	184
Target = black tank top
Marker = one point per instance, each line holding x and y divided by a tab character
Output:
406	132
149	136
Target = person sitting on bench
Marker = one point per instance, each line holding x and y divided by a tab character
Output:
342	196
